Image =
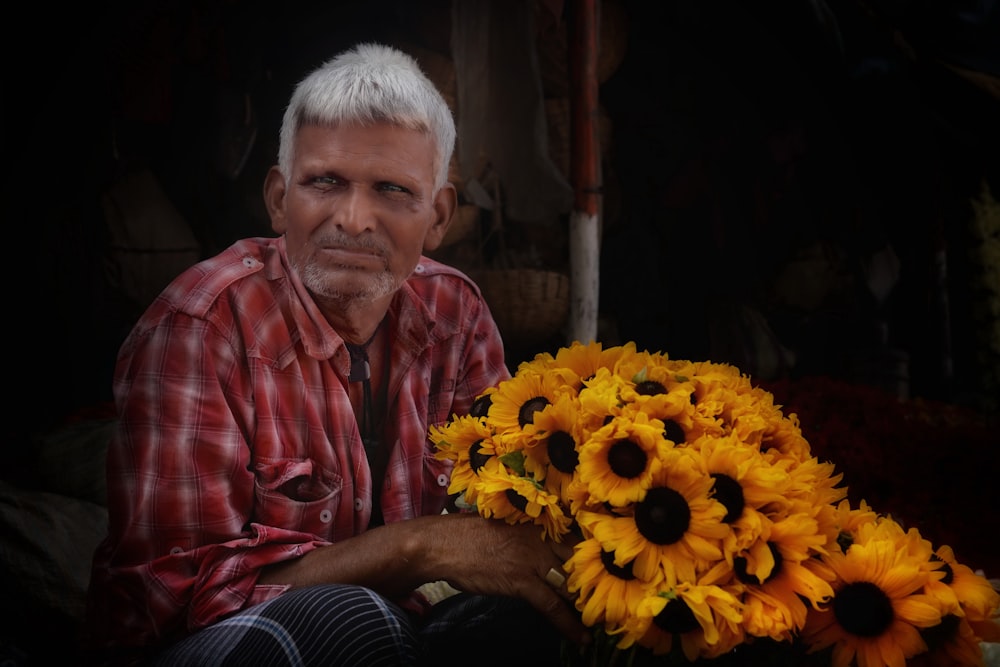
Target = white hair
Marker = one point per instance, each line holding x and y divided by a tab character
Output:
370	83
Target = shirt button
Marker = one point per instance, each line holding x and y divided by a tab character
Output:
358	504
249	262
442	480
176	550
325	516
419	268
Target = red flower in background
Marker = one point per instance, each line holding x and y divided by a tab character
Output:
931	465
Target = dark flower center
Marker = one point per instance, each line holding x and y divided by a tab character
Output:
650	388
562	451
938	635
608	560
949	574
481	406
672	431
863	609
740	567
663	516
477	459
676	618
627	459
517	500
526	414
729	492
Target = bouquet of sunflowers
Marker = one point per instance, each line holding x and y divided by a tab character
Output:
705	531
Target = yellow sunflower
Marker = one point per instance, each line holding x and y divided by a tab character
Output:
848	521
618	461
541	363
814	484
705	618
502	494
969	604
552	439
555	438
978	599
600	400
746	483
781	576
951	643
716	387
467	441
675	526
784	437
607	593
878	607
517	399
585	360
481	405
659	391
749	416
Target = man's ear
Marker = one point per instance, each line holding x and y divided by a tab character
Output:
445	205
274	199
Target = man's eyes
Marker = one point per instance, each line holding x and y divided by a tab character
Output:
326	181
392	187
384	186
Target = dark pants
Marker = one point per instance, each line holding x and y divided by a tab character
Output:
351	626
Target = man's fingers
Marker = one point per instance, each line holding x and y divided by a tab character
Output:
556	605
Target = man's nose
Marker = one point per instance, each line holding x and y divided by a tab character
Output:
354	212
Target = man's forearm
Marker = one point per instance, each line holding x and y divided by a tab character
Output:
390	559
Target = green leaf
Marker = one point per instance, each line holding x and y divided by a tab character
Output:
514	461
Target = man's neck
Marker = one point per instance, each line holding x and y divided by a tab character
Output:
355	322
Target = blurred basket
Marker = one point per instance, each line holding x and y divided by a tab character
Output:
530	306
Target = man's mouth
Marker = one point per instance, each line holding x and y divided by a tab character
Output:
353	257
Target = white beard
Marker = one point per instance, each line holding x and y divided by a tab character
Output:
323	282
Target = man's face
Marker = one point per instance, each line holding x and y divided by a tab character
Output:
359	208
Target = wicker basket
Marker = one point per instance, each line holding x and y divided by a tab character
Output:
530	306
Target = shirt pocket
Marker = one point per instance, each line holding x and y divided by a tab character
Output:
297	494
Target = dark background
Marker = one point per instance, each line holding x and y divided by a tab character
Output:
757	149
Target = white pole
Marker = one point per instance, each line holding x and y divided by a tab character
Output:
585	252
585	167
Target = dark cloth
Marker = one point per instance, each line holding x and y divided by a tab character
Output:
342	625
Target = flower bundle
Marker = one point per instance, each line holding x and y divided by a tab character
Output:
702	524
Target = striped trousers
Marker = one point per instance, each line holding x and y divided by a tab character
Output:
351	626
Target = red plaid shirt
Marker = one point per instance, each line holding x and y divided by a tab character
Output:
238	446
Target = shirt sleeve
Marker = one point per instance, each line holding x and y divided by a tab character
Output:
182	551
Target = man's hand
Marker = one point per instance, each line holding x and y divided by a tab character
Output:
473	554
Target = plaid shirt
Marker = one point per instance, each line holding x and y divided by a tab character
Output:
238	446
